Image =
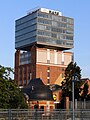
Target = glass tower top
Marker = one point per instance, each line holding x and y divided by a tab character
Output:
44	27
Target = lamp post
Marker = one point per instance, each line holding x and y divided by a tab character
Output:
74	79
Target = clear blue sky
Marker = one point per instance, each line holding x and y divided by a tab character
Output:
10	10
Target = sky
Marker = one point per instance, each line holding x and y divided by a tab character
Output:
10	10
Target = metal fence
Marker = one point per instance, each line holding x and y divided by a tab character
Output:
80	104
27	114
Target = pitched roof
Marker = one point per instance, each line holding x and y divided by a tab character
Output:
37	90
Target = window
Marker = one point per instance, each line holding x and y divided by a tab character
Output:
42	107
62	63
28	81
62	75
54	23
70	26
62	69
24	82
48	68
20	82
69	37
64	19
25	58
44	21
44	33
54	35
48	74
48	61
48	28
43	27
43	15
55	18
48	81
69	20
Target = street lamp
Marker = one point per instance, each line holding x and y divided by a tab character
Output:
74	79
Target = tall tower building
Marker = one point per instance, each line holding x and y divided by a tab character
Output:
41	40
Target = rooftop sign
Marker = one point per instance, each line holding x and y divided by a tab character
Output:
46	11
51	11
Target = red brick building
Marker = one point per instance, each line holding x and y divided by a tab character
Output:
44	63
84	81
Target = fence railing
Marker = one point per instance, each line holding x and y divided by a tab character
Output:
27	114
80	104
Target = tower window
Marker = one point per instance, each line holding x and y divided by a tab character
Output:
48	81
48	68
48	61
62	69
62	75
48	74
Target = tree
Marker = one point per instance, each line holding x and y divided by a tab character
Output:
88	97
71	70
10	95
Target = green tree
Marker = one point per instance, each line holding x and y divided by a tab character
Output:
71	70
10	95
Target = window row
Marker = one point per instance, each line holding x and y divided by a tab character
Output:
43	27
55	29
25	59
26	24
55	35
44	21
25	36
26	30
25	54
54	41
58	24
56	18
44	15
24	42
25	62
26	18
